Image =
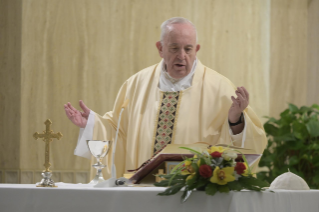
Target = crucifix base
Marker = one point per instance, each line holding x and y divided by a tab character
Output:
46	180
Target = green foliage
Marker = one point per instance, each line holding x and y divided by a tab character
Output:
293	142
211	189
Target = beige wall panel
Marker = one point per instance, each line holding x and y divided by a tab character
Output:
80	49
288	68
86	49
53	63
235	39
313	52
10	77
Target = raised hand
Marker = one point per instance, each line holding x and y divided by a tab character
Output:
78	118
239	104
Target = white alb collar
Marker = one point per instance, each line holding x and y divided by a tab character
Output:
168	83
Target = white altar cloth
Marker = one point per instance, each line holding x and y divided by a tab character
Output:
82	197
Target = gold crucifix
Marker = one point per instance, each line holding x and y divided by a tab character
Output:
47	136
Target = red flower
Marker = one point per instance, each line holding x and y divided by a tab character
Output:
216	154
205	171
166	120
164	126
240	168
168	104
167	112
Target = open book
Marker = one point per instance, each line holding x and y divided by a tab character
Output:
173	152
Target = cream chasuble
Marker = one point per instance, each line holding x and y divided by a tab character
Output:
154	118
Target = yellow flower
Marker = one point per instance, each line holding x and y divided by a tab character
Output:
222	176
188	168
246	172
185	172
198	163
191	176
188	162
216	149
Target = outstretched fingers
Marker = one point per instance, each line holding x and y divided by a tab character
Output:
71	107
69	113
85	109
246	93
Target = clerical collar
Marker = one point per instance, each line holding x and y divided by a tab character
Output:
168	83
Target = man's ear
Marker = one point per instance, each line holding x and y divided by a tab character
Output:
197	47
159	48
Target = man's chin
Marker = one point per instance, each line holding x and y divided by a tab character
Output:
179	73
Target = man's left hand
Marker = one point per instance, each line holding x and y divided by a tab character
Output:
239	104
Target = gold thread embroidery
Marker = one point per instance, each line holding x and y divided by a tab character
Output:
176	115
166	120
156	120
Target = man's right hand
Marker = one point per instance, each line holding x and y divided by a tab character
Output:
78	118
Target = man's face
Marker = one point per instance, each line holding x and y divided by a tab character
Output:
179	49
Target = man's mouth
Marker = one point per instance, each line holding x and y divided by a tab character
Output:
179	65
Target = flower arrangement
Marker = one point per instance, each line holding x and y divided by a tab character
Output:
216	169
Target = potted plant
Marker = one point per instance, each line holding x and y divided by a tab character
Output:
293	143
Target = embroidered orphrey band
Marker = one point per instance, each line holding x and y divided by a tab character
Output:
166	120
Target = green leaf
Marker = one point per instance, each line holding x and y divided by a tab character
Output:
211	189
273	120
315	106
186	194
165	183
286	118
192	182
285	113
293	108
235	186
313	128
271	129
305	109
172	190
202	161
252	183
195	167
201	183
316	179
286	137
299	130
285	129
176	176
223	189
293	160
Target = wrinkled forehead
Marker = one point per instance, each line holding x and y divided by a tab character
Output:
180	33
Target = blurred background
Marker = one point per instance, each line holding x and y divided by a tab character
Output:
58	51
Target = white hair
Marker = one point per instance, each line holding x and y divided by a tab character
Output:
175	20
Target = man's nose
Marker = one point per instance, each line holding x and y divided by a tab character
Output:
181	54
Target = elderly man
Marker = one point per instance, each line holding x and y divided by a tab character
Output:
178	100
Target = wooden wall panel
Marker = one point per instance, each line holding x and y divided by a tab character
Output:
10	77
